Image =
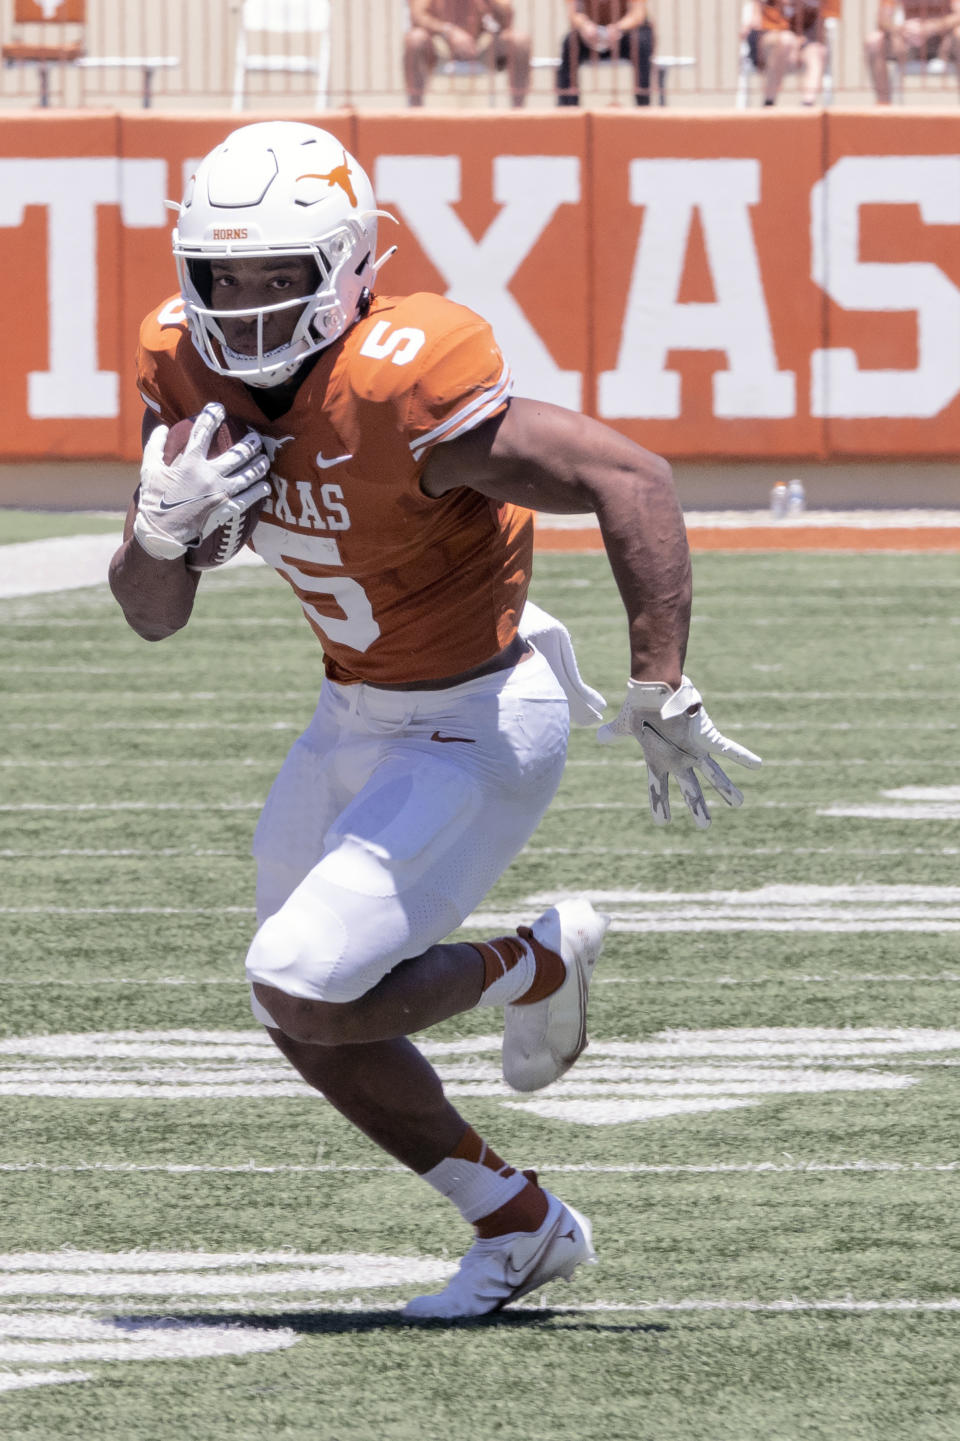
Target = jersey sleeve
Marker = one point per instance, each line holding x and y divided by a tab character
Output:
158	375
462	380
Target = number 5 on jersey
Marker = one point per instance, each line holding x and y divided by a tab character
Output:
400	345
356	627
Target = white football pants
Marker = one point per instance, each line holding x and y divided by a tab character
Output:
391	818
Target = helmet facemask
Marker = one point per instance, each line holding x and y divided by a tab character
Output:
259	195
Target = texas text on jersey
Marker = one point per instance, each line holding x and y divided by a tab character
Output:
399	587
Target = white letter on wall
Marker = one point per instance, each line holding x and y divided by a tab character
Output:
530	188
737	322
839	388
71	189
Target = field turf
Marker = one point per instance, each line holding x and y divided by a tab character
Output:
763	1129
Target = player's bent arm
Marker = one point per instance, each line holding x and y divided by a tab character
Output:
552	459
156	596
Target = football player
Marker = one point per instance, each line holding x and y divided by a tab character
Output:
400	472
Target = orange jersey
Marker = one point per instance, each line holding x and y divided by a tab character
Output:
397	586
603	12
804	16
927	9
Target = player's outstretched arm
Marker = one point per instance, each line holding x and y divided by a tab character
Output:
551	459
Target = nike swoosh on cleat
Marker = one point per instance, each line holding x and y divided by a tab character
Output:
531	1263
446	740
336	460
190	500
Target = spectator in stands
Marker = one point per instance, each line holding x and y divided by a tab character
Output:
605	30
911	30
473	30
790	37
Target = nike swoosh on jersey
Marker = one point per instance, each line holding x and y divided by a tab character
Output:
447	740
335	460
190	500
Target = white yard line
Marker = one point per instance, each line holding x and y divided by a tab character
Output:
840	852
748	1168
778	978
131	852
48	981
194	852
175	725
256	804
783	697
847	1304
88	762
127	910
542	1305
786	727
178	806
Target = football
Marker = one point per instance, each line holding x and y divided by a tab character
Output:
223	543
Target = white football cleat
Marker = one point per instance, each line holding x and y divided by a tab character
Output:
543	1040
500	1270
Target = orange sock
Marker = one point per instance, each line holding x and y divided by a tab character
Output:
518	970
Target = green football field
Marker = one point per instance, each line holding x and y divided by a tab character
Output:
763	1129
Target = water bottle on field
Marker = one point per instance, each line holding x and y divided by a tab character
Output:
778	500
796	498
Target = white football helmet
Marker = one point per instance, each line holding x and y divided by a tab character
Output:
277	187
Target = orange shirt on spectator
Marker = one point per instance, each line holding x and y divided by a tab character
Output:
803	16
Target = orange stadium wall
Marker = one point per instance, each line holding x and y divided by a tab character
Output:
714	285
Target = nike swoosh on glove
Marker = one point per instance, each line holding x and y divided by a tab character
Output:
677	736
182	502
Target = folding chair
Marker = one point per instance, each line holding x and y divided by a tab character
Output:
933	69
308	20
66	15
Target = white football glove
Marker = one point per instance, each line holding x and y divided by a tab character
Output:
677	734
181	503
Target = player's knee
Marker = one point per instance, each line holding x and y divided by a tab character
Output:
312	1023
311	973
299	949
